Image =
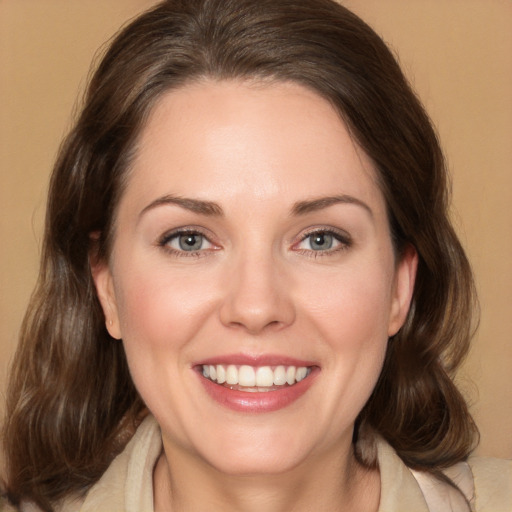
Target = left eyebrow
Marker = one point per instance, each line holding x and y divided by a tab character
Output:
201	207
313	205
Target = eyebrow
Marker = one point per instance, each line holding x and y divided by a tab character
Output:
194	205
313	205
210	208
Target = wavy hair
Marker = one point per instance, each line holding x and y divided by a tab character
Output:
71	403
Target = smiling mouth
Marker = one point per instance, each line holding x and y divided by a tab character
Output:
255	379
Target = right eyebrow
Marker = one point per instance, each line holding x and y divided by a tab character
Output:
313	205
194	205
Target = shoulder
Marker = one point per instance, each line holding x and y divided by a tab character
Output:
128	482
493	484
485	483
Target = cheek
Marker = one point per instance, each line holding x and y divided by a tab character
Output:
354	327
351	306
159	316
351	311
160	310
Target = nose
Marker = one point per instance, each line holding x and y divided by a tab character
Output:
257	296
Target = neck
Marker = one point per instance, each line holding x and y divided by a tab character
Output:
333	481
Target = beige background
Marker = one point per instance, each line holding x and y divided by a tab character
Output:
458	55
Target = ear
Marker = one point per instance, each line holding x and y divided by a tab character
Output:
405	276
104	284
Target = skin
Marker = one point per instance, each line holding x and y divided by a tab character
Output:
256	286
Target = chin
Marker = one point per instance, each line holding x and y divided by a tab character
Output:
260	450
252	464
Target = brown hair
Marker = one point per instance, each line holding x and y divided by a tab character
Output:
71	402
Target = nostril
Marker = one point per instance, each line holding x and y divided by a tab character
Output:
257	298
255	327
256	321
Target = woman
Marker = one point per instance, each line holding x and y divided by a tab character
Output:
251	294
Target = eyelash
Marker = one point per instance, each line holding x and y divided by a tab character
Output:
165	240
341	237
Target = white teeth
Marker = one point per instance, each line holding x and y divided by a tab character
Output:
290	375
255	377
221	374
299	375
280	376
264	377
232	375
247	376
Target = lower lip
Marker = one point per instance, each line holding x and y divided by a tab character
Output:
257	402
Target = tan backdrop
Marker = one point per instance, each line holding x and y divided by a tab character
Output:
458	55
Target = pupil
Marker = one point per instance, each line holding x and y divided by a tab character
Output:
190	242
321	241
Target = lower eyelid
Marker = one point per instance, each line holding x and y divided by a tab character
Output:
165	241
205	243
343	239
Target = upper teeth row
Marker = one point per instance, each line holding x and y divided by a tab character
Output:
260	376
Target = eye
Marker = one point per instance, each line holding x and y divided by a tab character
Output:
324	241
320	241
186	242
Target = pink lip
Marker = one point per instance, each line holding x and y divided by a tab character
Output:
256	360
257	402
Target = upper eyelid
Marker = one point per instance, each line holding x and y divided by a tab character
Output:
164	242
343	238
342	234
172	233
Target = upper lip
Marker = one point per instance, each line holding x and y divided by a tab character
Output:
255	360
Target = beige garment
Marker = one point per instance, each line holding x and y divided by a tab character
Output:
127	485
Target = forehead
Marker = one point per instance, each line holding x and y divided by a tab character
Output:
265	141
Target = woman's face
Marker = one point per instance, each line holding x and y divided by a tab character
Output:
252	277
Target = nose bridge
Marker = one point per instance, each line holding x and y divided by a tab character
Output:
257	296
